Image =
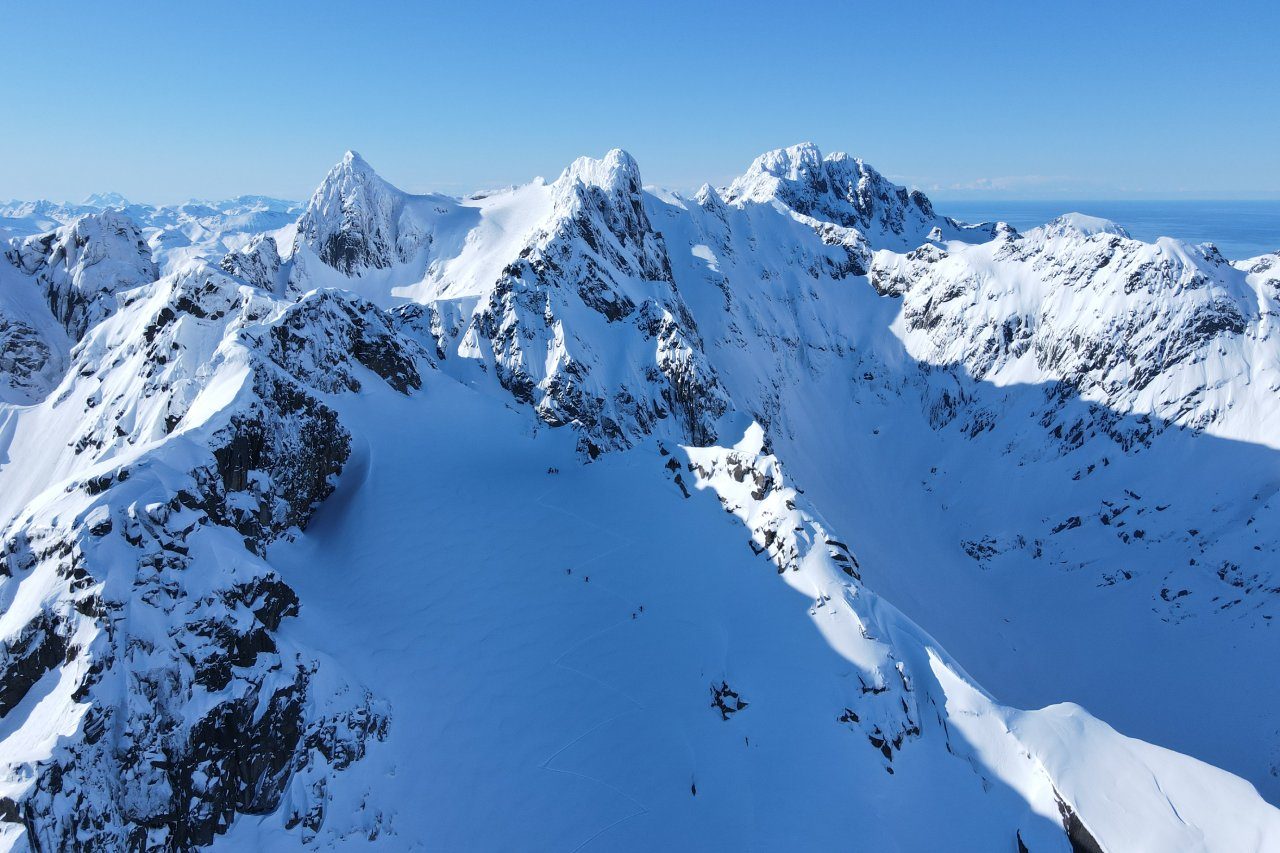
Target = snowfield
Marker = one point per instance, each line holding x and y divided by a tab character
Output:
587	516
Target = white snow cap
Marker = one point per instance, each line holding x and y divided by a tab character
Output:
353	161
106	200
797	164
708	197
616	170
349	172
801	176
791	163
1082	223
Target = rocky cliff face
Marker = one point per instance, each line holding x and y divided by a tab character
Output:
600	265
55	286
143	622
257	263
28	367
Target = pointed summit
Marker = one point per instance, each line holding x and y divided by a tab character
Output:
351	220
352	165
353	161
707	197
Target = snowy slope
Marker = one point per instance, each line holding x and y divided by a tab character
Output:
1053	428
991	444
561	517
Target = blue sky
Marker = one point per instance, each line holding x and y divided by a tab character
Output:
984	99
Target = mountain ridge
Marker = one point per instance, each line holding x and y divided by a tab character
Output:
739	346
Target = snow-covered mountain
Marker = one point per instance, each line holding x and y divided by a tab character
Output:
569	517
174	233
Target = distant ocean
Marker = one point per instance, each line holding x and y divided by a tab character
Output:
1240	229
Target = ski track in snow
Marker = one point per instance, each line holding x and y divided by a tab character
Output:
559	661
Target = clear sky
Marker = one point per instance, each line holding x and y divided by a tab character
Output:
168	101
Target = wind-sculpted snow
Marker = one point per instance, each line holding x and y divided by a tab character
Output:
566	515
587	326
53	287
1066	409
750	484
910	696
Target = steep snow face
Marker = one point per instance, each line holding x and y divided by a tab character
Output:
610	189
643	667
357	221
257	263
586	324
290	556
53	287
751	277
1163	329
